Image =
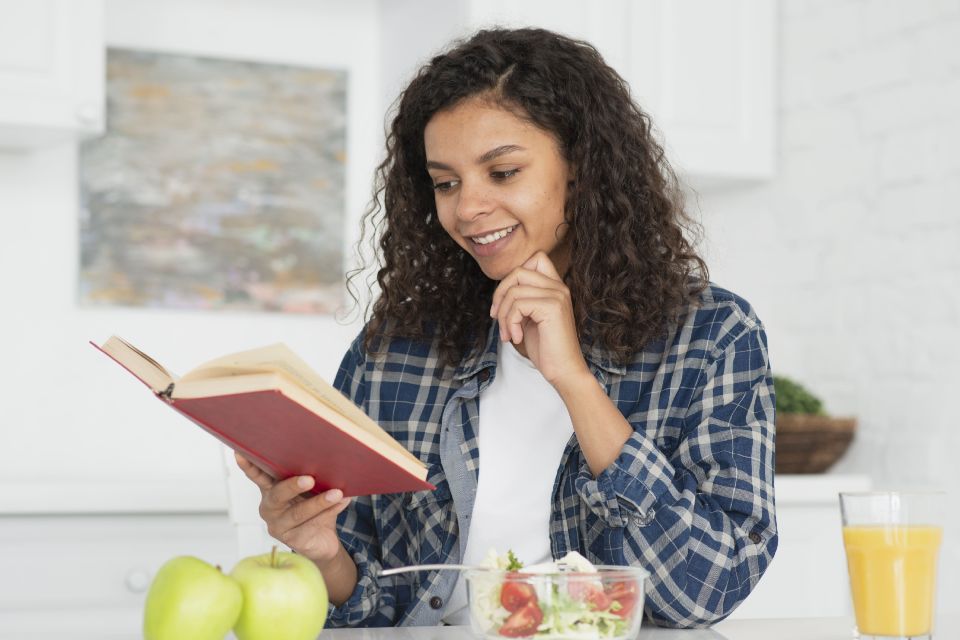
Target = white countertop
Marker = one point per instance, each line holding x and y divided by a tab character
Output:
816	488
797	629
778	629
772	629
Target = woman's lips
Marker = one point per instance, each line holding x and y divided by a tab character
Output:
486	250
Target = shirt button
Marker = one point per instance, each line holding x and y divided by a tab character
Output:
755	537
643	519
436	602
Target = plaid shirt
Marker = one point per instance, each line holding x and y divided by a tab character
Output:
690	497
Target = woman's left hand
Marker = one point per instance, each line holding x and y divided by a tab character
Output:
533	306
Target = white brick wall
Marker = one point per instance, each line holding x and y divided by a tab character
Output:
851	255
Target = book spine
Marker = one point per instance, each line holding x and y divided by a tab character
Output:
167	394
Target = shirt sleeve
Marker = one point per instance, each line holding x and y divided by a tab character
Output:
370	604
700	520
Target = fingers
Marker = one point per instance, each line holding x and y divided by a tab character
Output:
299	525
317	538
524	302
282	493
311	514
259	477
540	288
291	517
526	276
276	494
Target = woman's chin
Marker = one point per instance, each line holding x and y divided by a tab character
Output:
496	270
496	276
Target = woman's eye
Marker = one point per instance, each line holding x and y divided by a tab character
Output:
445	186
503	175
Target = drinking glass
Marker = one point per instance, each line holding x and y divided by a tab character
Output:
892	541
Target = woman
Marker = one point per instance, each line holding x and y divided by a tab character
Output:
547	342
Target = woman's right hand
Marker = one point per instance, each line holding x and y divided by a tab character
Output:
305	523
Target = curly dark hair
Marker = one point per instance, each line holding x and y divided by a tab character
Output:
632	268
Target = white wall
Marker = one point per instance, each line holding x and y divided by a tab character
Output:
70	414
411	32
852	254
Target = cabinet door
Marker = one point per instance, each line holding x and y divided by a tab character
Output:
83	574
51	71
602	24
704	70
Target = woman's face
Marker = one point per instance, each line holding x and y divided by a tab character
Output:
500	184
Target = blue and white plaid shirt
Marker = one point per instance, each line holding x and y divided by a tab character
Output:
690	498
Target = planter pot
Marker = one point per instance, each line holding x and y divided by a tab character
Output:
811	444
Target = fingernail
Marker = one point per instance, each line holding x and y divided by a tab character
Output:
304	482
334	495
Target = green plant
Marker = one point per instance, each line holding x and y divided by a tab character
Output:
794	398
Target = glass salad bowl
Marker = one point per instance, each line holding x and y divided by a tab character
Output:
602	602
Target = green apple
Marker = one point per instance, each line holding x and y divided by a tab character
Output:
191	600
284	597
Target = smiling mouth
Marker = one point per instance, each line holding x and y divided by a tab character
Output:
493	237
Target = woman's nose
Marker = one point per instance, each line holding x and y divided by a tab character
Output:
473	201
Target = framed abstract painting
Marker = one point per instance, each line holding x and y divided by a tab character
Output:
219	184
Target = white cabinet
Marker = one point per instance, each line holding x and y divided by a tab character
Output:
703	69
51	71
69	574
808	575
83	574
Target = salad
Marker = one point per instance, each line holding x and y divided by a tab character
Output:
567	598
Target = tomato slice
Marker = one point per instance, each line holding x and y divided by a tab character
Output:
523	622
513	595
592	594
624	593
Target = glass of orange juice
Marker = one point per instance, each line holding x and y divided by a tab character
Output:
892	540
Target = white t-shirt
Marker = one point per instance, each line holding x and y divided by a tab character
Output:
523	429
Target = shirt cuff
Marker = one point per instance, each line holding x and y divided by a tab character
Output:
629	489
362	602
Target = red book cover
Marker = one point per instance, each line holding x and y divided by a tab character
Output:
286	438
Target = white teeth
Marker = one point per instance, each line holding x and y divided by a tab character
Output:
496	235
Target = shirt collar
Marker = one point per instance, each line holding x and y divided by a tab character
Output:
486	357
483	358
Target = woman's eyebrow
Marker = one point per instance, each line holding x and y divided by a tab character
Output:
496	152
499	151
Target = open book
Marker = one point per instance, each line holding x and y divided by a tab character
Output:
270	406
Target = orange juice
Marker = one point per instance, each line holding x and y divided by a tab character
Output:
892	576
